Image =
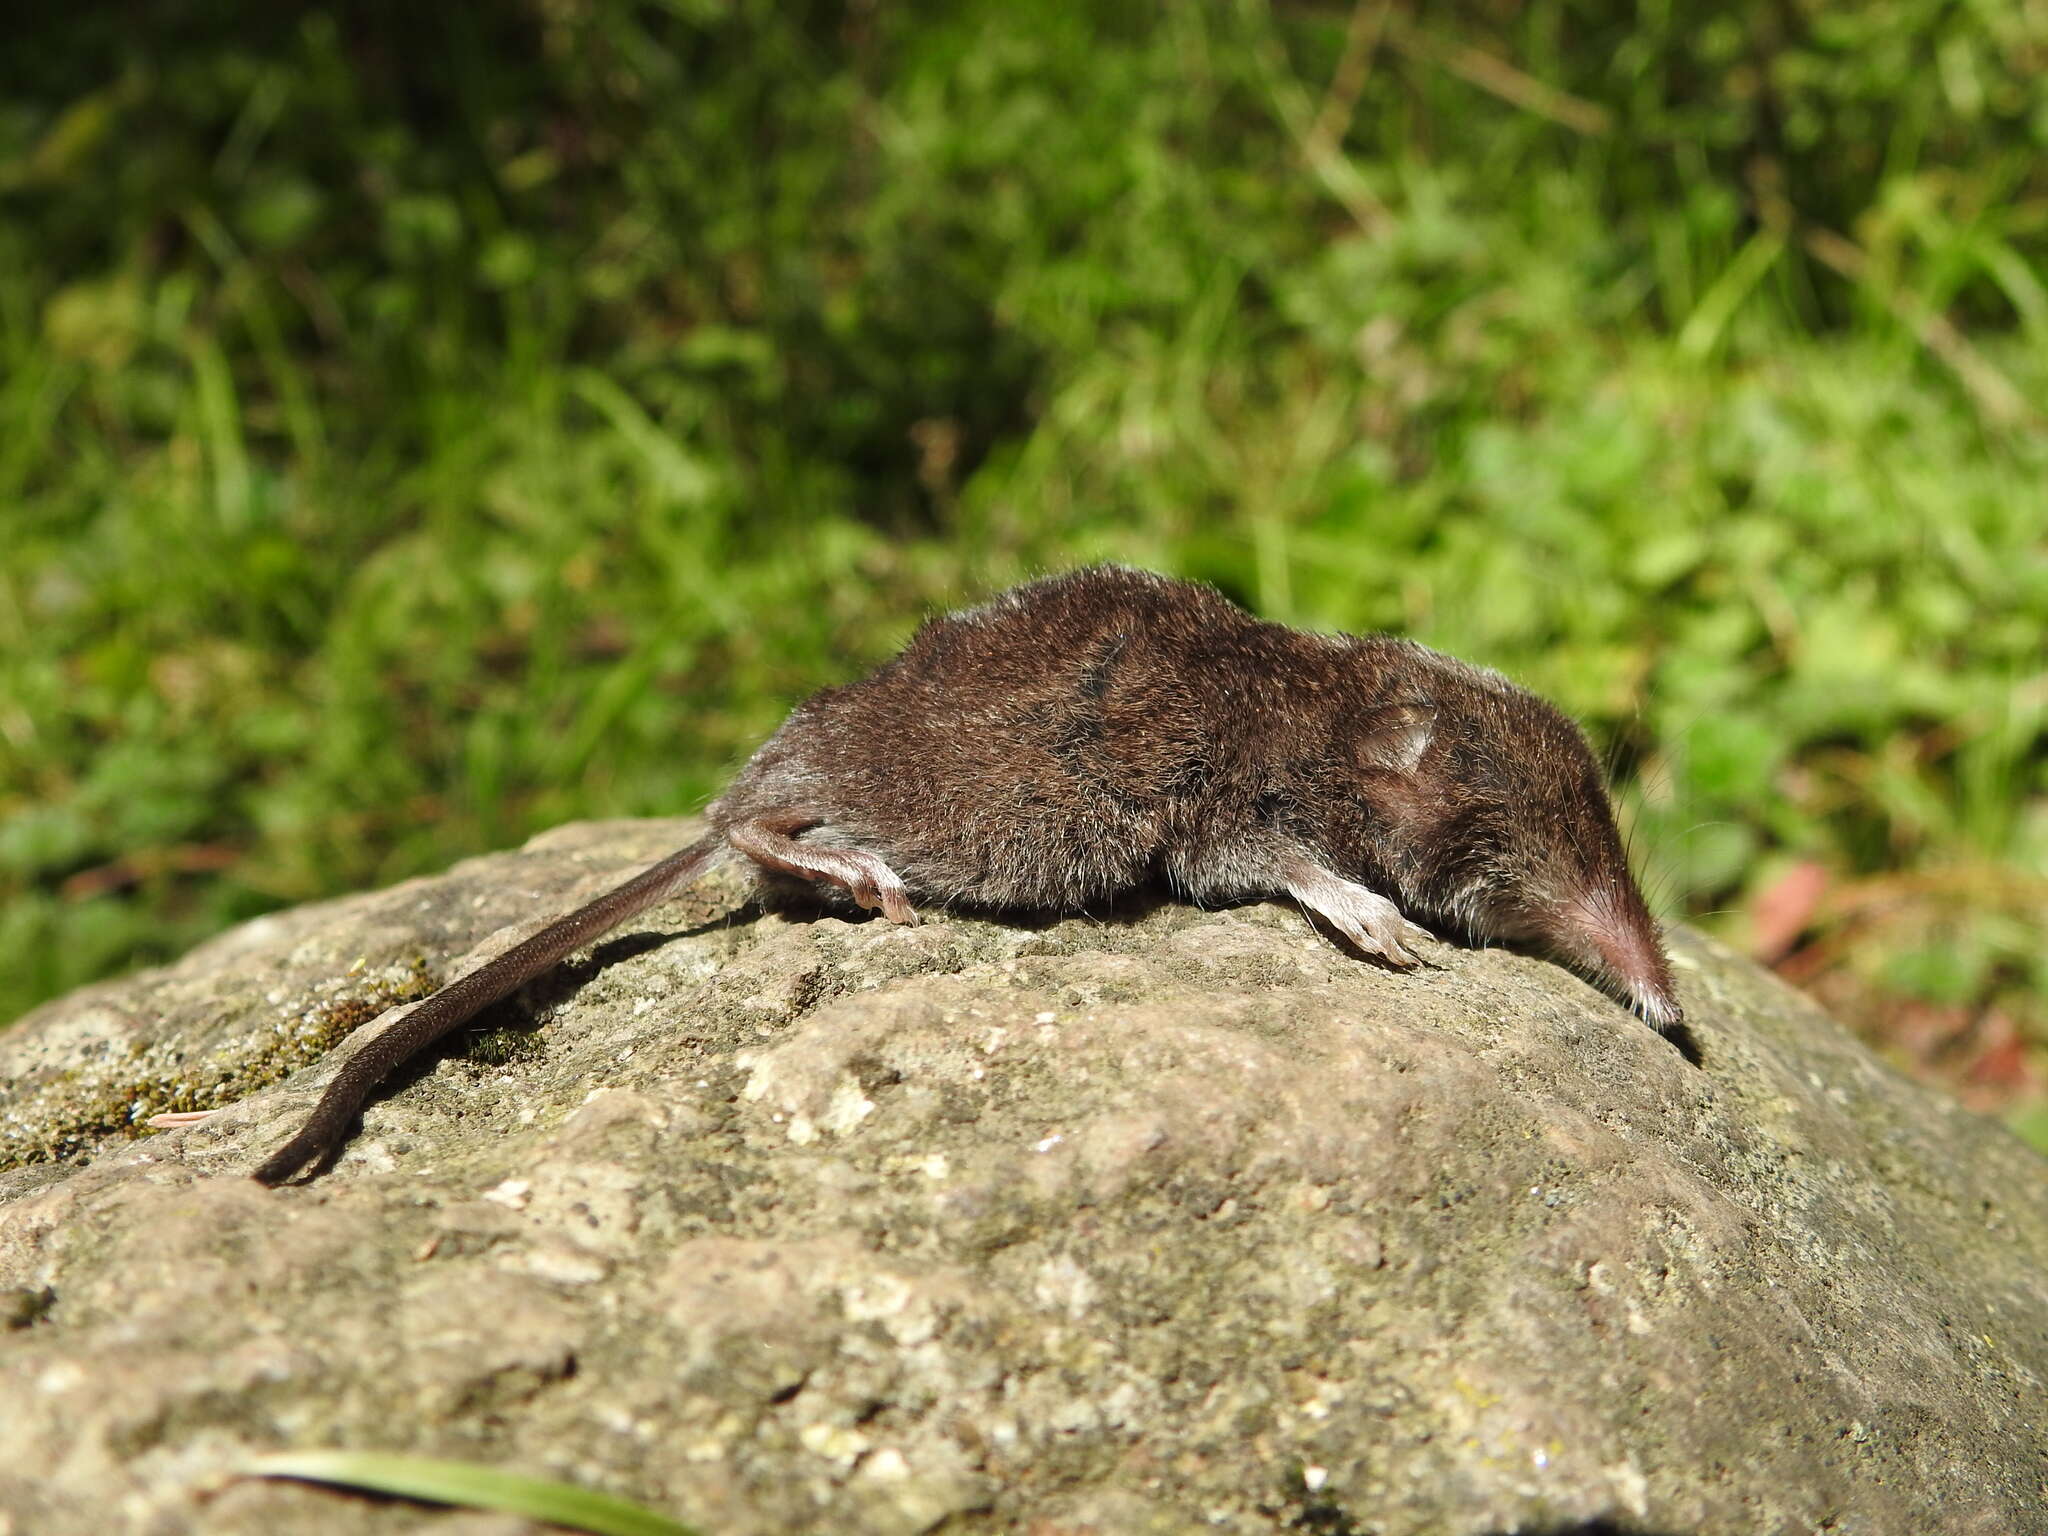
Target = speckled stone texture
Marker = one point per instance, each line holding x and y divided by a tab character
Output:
1176	1221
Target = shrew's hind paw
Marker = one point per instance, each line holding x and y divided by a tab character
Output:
884	893
865	876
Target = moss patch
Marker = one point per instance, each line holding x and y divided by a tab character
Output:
83	1106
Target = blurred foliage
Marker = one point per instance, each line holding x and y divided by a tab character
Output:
422	425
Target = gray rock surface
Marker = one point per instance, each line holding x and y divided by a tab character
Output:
1185	1221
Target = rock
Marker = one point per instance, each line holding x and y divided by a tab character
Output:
1175	1221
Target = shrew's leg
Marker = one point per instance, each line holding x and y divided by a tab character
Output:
872	883
1363	916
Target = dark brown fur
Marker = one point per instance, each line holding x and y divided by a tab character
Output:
1092	733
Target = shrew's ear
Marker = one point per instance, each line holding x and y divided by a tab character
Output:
1394	737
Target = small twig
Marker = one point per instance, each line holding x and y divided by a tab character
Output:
1996	395
179	1120
146	863
1340	178
1354	65
1499	78
1317	133
1946	886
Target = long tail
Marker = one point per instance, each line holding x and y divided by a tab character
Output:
462	998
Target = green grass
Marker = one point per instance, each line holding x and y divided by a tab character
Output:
408	442
470	1485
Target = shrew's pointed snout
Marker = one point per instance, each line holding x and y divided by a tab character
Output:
1657	1005
1614	937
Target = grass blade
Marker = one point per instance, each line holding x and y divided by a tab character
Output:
471	1486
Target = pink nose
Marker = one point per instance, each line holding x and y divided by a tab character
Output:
1636	960
1624	944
